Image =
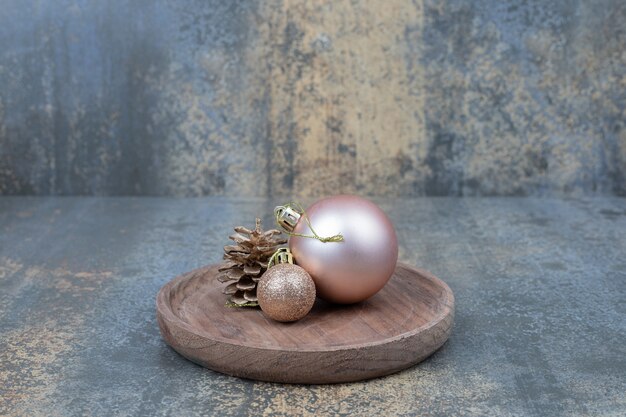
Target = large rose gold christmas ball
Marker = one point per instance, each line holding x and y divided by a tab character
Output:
357	268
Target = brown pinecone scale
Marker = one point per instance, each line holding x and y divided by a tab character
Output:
245	262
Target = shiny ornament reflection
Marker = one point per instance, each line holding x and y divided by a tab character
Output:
357	268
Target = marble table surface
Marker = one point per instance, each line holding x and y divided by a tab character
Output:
540	325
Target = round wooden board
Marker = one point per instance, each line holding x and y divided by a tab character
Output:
409	319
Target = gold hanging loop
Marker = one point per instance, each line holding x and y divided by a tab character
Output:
287	217
281	256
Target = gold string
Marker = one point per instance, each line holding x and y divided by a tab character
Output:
295	206
272	259
231	304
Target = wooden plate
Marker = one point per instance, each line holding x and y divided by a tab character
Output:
409	319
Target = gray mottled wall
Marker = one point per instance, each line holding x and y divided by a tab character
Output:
196	97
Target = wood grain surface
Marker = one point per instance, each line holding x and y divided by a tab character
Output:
409	319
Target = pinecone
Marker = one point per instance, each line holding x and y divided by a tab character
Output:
246	261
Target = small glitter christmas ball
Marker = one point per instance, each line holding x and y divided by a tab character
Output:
286	292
